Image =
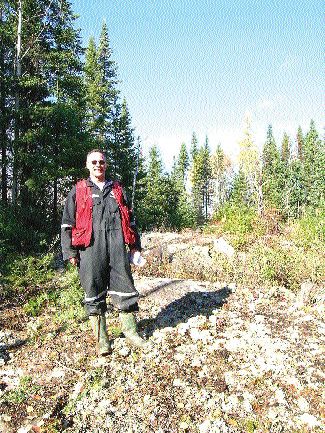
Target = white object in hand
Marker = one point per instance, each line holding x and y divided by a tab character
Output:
137	260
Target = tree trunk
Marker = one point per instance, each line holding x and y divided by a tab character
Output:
55	205
16	128
3	132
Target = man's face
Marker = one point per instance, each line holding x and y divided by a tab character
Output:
96	165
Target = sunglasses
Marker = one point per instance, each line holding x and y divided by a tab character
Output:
100	162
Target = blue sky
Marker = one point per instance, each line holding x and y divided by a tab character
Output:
203	65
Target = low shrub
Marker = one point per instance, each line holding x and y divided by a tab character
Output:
69	301
240	222
30	271
309	229
36	304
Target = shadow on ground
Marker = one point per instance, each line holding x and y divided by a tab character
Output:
190	305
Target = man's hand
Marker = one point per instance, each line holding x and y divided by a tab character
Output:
74	261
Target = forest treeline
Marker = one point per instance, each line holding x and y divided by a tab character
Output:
58	100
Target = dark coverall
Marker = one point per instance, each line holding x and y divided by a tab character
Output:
103	266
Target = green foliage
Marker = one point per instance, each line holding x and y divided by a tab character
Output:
200	178
25	389
251	426
70	297
154	210
313	162
272	173
122	150
15	238
236	220
310	228
35	305
30	272
115	331
220	168
239	195
285	149
180	206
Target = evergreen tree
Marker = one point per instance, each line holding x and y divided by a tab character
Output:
294	190
239	191
194	147
122	154
285	149
200	178
101	89
153	212
300	143
109	71
48	71
272	175
313	157
183	163
181	211
95	108
220	166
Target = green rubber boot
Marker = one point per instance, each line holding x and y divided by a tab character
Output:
98	324
129	329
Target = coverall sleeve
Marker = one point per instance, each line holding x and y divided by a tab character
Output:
68	221
137	244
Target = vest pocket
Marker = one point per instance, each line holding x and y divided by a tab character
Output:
78	237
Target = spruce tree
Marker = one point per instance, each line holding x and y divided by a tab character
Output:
181	211
95	107
239	195
200	179
183	163
122	153
194	147
272	176
220	166
300	143
153	212
101	89
108	69
313	158
285	149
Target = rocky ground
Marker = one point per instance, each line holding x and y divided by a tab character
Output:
222	359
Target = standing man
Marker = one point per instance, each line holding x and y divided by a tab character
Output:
96	227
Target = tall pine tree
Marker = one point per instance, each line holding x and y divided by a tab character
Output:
122	153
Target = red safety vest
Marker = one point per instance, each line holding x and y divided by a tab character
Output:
81	233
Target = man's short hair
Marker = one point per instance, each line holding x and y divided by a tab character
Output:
97	151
